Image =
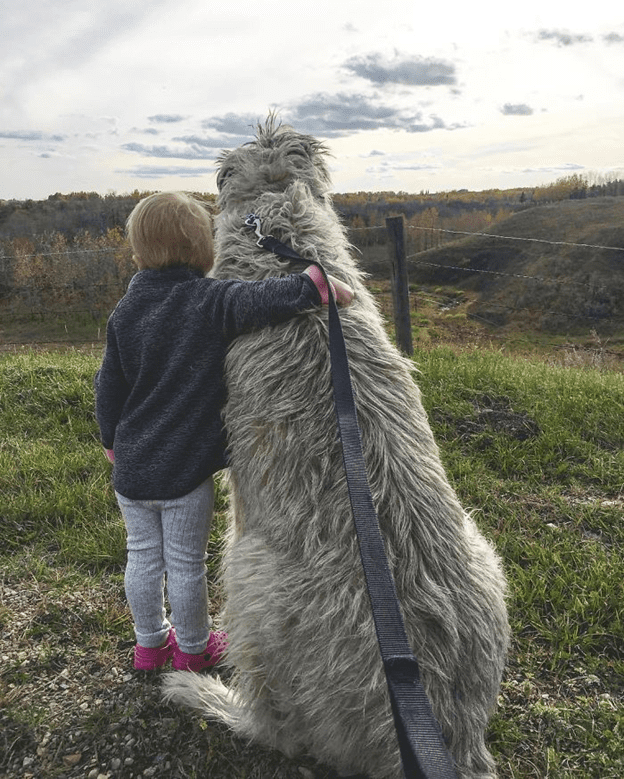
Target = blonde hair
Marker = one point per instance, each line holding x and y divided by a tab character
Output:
168	229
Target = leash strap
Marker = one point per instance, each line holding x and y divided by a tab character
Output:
423	752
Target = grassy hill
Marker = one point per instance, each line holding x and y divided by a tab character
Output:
528	274
535	450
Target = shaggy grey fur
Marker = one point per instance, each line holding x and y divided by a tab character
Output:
309	675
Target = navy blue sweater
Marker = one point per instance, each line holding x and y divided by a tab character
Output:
160	390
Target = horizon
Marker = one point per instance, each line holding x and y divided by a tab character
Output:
585	179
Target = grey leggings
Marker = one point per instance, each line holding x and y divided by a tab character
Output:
169	537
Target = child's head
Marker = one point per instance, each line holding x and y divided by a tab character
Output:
168	229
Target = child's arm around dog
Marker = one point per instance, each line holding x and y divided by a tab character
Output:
161	382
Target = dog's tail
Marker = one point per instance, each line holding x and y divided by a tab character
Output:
207	694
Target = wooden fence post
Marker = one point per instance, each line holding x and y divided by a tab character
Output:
400	286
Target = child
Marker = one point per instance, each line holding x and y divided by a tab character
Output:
159	395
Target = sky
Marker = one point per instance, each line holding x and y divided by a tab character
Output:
408	96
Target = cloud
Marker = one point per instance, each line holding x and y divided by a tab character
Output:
562	38
189	147
234	124
196	140
215	142
435	124
43	38
342	113
613	37
30	135
325	115
333	116
409	71
388	169
397	166
187	152
156	171
504	148
567	167
516	109
166	118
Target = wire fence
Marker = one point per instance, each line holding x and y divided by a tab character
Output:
589	304
53	282
50	287
594	287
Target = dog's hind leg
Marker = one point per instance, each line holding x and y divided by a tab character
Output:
253	617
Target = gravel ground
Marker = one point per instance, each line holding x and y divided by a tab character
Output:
71	704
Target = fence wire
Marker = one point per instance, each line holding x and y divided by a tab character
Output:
542	279
517	238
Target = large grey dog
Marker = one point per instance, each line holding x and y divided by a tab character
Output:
309	677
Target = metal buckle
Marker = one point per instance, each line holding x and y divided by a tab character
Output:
251	220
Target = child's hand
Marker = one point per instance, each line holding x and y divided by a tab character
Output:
342	292
110	455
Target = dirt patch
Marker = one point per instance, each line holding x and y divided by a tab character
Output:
493	414
72	706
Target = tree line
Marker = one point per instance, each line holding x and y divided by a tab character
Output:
68	252
91	212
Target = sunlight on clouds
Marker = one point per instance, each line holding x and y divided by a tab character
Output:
106	96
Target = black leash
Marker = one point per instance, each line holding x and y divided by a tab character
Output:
423	751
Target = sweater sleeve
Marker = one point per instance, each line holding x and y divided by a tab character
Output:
244	306
111	390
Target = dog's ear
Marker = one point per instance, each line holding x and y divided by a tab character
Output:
224	172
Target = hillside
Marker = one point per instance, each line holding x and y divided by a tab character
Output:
545	282
67	253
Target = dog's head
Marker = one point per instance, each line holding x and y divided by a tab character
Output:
282	177
277	157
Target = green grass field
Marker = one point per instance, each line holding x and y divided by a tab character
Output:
535	450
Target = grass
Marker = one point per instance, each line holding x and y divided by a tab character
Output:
535	449
54	489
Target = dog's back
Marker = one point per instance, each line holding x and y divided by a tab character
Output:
301	632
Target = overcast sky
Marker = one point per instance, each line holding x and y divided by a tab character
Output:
409	96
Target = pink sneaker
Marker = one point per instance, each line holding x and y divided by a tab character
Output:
146	659
215	650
